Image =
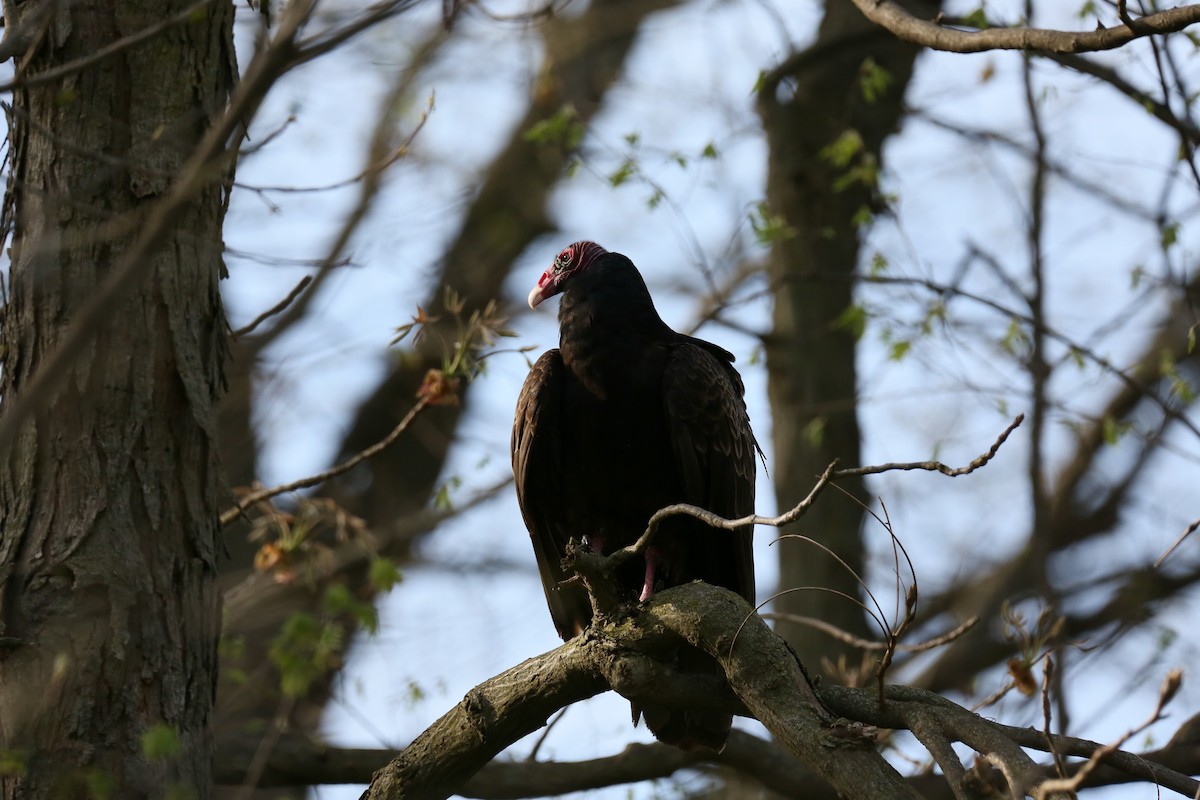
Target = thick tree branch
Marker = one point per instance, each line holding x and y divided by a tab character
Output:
492	716
762	671
893	16
764	674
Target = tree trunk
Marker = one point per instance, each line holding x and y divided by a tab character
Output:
807	105
109	496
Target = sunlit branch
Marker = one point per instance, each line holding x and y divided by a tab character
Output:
933	34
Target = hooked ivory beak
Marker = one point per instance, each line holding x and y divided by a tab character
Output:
536	297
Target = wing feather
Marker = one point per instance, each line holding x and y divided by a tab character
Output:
714	447
537	460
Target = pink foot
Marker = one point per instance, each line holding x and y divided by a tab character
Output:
653	556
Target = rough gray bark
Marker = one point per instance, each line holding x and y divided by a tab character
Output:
806	105
109	496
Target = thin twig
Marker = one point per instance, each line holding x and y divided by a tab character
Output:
383	163
936	466
266	746
303	483
562	712
867	644
1047	676
1188	531
275	309
800	509
1166	693
370	185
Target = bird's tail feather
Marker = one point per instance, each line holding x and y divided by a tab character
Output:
687	730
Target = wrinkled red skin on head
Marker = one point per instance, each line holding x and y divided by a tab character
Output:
574	258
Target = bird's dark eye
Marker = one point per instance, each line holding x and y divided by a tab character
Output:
563	261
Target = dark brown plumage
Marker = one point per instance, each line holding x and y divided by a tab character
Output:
626	417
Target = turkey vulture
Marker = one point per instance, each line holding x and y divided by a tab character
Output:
626	417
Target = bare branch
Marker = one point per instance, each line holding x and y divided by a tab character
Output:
1188	531
867	644
231	514
896	19
275	309
380	155
1166	693
801	508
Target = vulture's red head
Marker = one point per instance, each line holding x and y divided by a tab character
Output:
572	261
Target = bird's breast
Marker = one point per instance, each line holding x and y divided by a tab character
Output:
618	453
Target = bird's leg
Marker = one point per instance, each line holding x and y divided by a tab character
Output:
653	558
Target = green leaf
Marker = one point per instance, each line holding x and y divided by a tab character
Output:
442	500
873	80
160	741
632	138
759	82
1112	430
977	19
622	173
339	599
935	313
367	618
1135	277
101	784
1166	637
383	574
14	762
1015	339
863	217
899	350
1179	384
1168	235
1088	9
710	152
865	172
1191	339
843	149
562	128
769	228
878	265
655	199
853	320
304	650
814	432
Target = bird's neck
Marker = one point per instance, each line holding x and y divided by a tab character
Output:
606	327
